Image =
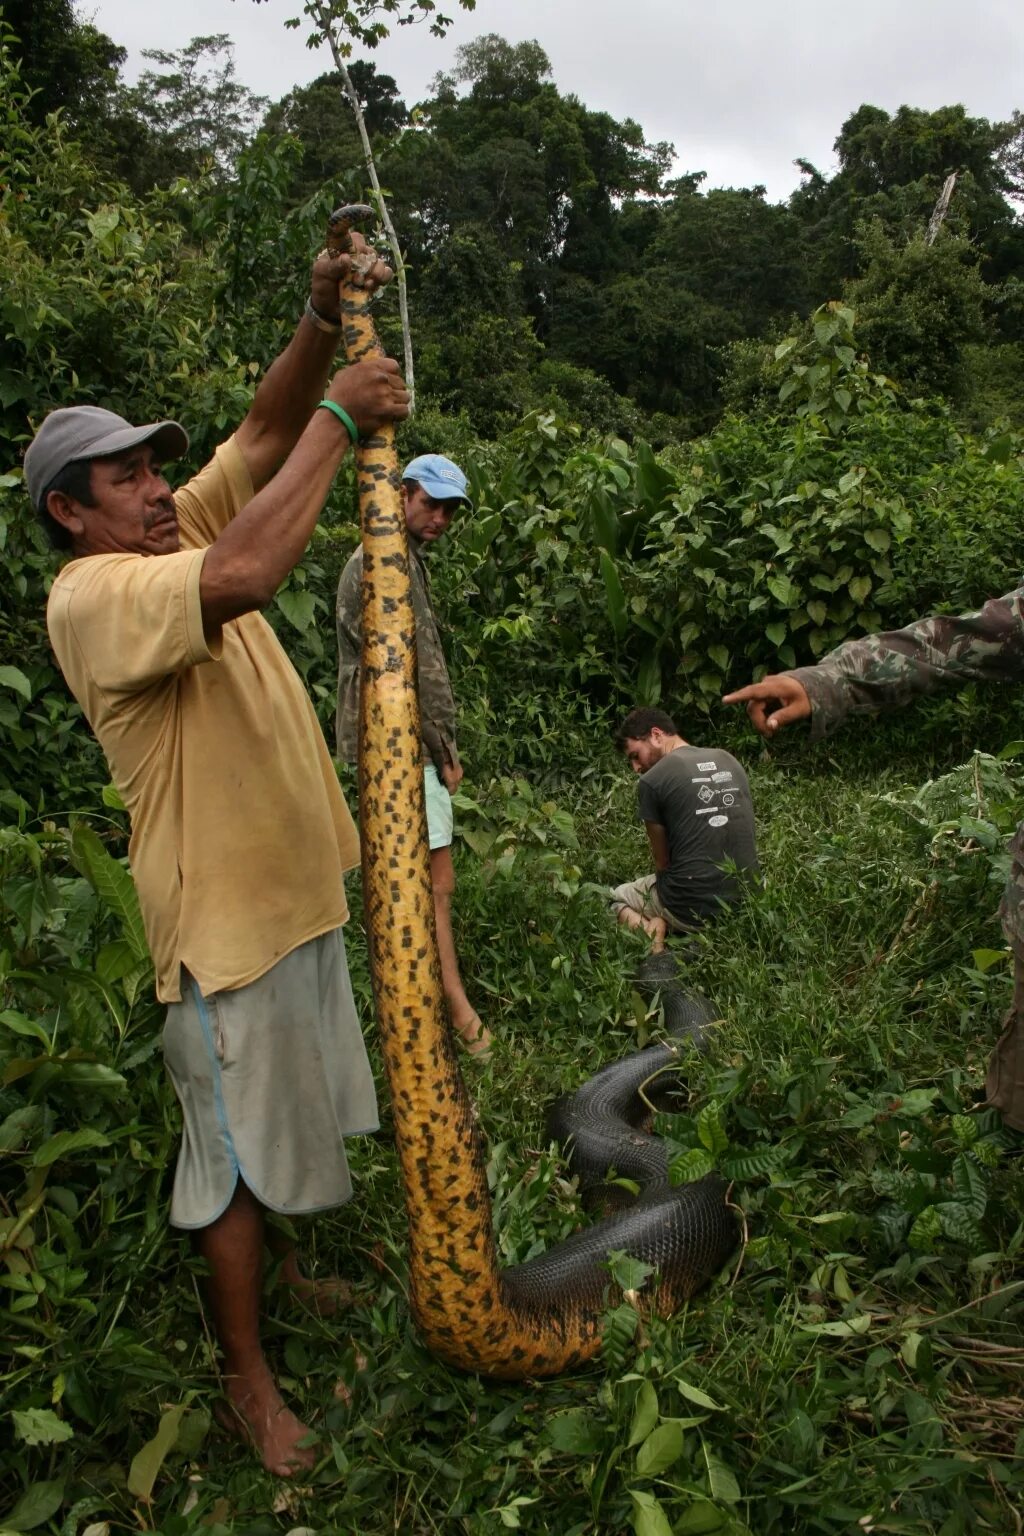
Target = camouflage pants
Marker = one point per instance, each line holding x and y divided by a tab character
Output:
1004	1082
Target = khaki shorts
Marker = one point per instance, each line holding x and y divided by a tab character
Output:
642	896
271	1078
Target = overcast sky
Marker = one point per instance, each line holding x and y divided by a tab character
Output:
741	88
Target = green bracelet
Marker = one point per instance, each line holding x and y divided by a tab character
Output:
343	416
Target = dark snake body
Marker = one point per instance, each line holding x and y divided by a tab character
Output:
545	1316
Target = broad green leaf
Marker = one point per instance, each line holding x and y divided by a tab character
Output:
111	796
776	633
846	1328
40	1426
20	1024
14	678
985	959
958	1222
917	1101
697	1396
146	1464
65	1143
710	1130
112	883
722	1484
19	1125
701	1519
859	588
298	608
576	1432
645	1414
39	1503
649	1519
783	591
614	595
878	539
629	1274
663	1446
693	1164
720	656
971	1184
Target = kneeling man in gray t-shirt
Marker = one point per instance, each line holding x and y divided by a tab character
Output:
695	803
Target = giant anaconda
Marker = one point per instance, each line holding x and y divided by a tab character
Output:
538	1318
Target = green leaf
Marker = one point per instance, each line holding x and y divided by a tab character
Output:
19	1125
845	1328
971	1184
146	1464
662	1447
111	796
958	1222
629	1274
112	883
37	1504
576	1433
66	1142
19	1024
649	1519
614	595
720	656
776	633
645	1414
13	677
878	539
985	959
859	588
298	608
710	1130
701	1519
783	591
698	1396
693	1164
40	1426
648	679
722	1484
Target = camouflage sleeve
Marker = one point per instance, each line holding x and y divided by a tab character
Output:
892	670
349	616
437	702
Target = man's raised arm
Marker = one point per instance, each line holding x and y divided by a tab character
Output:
294	383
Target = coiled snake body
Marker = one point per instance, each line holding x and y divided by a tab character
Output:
538	1318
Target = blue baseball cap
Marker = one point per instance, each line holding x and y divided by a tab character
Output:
439	477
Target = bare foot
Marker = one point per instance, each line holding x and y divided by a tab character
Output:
474	1035
257	1412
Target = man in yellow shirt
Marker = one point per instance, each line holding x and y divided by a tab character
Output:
240	835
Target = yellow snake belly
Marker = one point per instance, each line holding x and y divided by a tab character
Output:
539	1318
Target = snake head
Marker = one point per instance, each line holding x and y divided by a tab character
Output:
340	223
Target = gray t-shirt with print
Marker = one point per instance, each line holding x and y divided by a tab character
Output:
702	798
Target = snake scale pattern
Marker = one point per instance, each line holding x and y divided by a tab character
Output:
542	1317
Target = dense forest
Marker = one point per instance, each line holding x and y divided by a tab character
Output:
707	436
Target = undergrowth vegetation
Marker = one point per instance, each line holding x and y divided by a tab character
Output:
856	1367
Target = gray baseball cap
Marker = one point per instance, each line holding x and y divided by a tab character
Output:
90	432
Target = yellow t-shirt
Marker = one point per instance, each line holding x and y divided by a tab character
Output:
240	832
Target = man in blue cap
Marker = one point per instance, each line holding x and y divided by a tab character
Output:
433	490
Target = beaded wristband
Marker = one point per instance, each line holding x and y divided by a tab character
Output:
343	416
315	318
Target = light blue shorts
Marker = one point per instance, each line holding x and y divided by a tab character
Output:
440	821
271	1078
